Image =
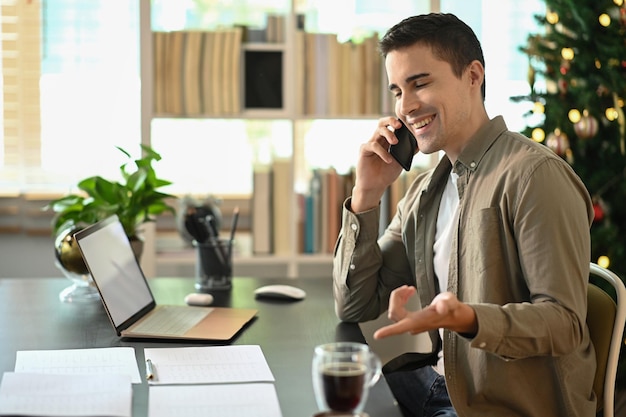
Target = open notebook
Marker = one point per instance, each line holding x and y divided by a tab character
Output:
129	302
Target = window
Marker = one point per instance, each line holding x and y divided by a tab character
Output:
89	92
89	89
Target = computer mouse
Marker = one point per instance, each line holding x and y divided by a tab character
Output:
280	291
198	299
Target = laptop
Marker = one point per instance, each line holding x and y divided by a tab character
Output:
129	302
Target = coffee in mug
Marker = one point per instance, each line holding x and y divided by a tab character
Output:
343	372
343	385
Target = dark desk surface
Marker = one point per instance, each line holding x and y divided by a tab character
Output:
33	318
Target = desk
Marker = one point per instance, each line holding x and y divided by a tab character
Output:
33	318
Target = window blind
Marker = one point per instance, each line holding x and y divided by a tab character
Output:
21	70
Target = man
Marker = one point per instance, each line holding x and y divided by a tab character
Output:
494	242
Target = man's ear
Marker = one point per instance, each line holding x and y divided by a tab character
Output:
476	73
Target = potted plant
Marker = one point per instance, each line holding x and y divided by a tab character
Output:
135	199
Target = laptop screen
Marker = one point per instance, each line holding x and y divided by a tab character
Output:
110	258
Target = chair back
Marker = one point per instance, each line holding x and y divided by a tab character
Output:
606	319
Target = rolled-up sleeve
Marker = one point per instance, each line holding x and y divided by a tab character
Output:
367	268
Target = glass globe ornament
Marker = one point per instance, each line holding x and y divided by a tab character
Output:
70	261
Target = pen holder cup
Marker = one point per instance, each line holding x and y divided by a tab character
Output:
214	265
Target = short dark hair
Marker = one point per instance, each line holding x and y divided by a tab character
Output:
451	40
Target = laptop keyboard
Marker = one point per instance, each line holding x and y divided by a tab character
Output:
171	320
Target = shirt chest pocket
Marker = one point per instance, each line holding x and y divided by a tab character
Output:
482	242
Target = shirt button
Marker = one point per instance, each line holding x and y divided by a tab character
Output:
353	226
352	267
482	345
473	164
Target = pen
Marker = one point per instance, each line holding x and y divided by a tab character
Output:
209	220
233	228
214	238
150	370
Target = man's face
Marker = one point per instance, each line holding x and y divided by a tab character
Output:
430	99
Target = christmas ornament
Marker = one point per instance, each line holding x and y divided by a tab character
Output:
574	115
605	20
587	127
558	142
568	55
599	209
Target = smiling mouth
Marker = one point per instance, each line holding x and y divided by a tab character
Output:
423	123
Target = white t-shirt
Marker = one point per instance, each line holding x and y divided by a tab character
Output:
447	220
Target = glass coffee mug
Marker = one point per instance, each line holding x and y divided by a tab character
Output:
343	373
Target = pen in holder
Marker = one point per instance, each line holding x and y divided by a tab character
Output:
214	265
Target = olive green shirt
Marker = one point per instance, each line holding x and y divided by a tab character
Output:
520	258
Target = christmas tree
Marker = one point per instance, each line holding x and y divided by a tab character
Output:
577	77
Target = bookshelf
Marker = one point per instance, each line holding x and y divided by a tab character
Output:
289	78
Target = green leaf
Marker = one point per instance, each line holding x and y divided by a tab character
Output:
135	199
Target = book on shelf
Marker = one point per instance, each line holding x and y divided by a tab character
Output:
324	212
312	214
374	84
282	193
198	72
226	70
356	73
217	77
322	73
345	84
206	73
192	65
262	218
174	72
334	75
331	67
308	235
230	71
323	205
159	40
235	70
336	194
301	222
318	217
275	28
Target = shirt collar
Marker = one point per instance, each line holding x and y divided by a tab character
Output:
480	142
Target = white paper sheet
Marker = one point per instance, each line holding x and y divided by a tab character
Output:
96	361
28	394
228	400
209	365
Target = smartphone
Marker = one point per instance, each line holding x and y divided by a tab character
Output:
404	150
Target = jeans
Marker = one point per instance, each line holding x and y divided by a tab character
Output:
421	393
